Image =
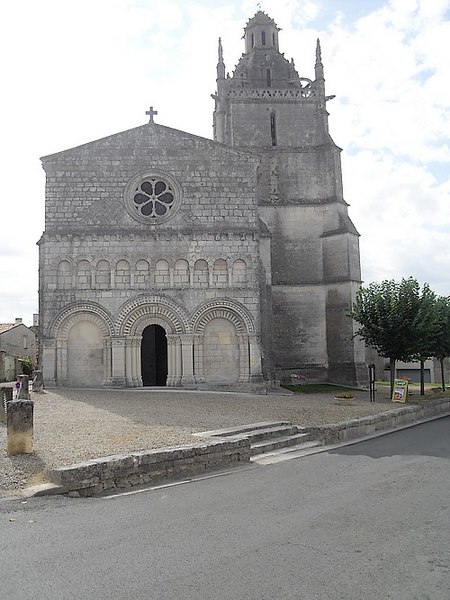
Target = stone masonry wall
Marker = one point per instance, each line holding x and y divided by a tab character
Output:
86	185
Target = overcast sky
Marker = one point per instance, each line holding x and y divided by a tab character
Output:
77	70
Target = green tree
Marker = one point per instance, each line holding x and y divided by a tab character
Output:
27	365
386	313
426	326
441	340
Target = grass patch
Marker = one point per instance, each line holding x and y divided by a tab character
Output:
315	388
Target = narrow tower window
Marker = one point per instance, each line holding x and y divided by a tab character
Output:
263	38
253	39
269	78
273	128
273	40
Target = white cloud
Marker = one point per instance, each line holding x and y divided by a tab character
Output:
77	71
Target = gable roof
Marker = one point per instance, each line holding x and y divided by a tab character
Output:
146	129
4	327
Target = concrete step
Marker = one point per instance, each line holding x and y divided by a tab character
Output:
283	454
236	430
267	433
267	445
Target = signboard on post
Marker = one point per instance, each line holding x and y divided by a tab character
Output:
400	393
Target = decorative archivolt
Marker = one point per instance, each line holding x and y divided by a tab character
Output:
125	262
223	309
81	311
143	310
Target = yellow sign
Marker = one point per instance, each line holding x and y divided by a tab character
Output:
400	393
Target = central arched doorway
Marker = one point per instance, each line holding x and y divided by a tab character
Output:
154	356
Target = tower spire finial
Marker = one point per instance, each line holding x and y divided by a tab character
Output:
318	68
318	53
220	64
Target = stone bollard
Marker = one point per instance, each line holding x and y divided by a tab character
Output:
6	396
19	427
38	382
24	391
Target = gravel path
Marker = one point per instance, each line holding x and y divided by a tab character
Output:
75	425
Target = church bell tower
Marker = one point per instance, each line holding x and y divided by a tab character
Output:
267	108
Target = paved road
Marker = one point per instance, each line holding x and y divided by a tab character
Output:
368	521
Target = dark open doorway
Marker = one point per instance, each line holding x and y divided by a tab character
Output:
154	356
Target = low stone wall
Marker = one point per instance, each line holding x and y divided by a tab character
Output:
396	417
148	466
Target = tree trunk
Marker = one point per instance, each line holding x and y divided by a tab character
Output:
392	373
442	374
422	377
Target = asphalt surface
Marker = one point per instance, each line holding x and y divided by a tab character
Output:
367	521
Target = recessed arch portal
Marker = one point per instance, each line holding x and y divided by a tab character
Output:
154	356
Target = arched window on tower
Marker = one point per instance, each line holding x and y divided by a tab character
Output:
269	78
273	40
253	40
263	38
273	128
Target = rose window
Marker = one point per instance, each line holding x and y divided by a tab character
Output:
153	198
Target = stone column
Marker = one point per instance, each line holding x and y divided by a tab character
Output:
118	362
106	362
198	358
136	361
20	427
129	360
170	360
178	361
61	362
187	358
49	361
244	358
255	358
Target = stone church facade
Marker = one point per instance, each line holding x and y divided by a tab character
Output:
171	259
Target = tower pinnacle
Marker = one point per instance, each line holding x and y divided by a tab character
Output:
318	66
220	64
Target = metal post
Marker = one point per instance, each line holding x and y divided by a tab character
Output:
372	389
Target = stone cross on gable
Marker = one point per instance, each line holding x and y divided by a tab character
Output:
151	113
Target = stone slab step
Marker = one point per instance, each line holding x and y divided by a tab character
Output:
236	430
44	489
286	453
265	446
267	433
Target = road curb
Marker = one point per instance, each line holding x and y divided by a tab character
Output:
388	420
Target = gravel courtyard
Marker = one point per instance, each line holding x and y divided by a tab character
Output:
75	425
